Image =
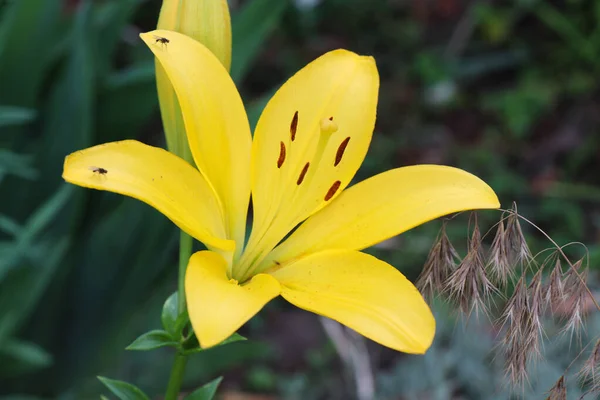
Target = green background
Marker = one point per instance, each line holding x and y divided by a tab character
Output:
506	90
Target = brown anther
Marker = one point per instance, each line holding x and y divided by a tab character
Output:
294	126
340	151
334	188
281	158
303	173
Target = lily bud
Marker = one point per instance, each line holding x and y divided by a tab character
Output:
208	22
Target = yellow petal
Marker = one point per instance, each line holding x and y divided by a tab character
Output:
156	177
215	121
217	305
363	293
386	205
339	85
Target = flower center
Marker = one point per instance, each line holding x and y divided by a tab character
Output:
301	195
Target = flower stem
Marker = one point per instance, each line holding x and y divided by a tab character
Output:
176	378
185	251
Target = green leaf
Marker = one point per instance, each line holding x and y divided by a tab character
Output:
206	392
127	101
110	18
37	222
69	110
152	340
123	390
195	346
19	357
15	115
250	28
169	315
16	164
23	62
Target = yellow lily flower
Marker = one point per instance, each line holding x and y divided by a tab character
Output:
309	142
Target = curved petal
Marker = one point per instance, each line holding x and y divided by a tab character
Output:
156	177
217	305
301	160
215	121
386	205
363	293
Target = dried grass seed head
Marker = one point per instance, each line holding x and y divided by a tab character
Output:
516	242
441	261
590	371
468	286
499	262
558	391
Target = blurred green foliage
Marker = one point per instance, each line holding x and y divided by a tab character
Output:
507	90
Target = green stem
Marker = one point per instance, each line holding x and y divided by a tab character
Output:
176	378
185	251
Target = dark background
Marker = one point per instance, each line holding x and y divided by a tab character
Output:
508	90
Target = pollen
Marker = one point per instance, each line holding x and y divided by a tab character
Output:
340	151
281	158
332	190
234	281
328	126
303	173
294	126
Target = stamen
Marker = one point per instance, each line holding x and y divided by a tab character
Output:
340	151
332	190
303	173
281	155
233	281
328	126
294	126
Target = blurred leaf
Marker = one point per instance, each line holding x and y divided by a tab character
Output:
20	357
20	397
169	315
9	226
16	164
22	288
206	392
23	62
15	115
37	222
152	340
123	390
251	27
127	101
69	110
110	19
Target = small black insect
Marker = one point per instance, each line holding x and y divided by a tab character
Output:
162	40
98	170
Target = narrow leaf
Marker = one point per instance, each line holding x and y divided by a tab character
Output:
251	27
206	392
152	340
15	115
123	390
169	315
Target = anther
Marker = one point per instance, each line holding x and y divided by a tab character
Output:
303	173
294	126
328	126
334	188
281	158
340	151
